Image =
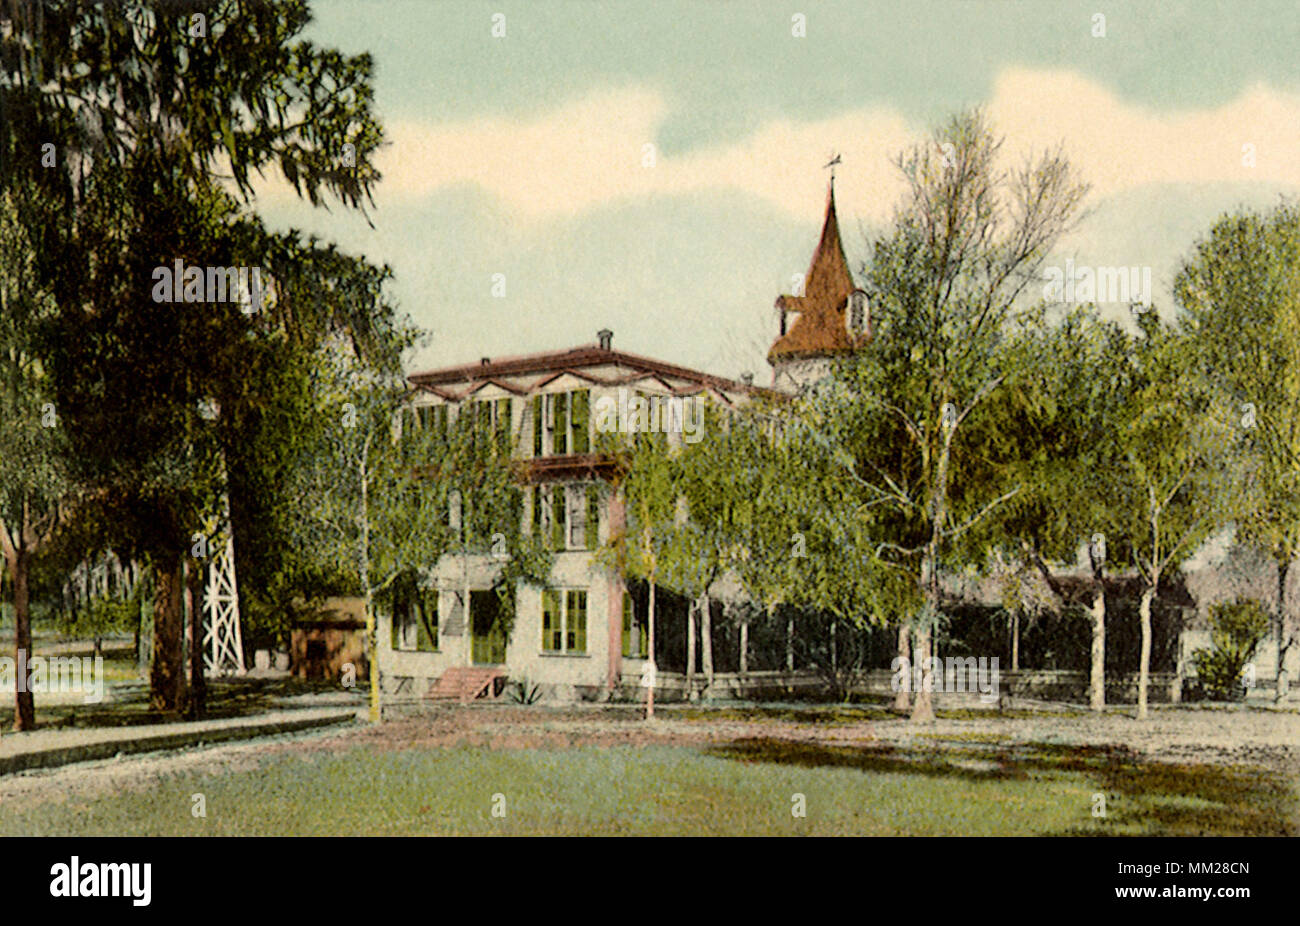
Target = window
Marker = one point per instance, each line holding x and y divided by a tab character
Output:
561	423
415	617
492	420
564	621
634	633
426	418
857	311
567	517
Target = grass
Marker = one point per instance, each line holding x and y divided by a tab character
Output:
742	788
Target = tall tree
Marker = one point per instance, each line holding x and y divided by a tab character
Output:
1075	380
967	240
1239	291
33	475
145	108
386	492
1182	477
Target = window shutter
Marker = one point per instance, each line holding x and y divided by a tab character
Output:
581	433
557	517
560	437
505	410
576	622
551	631
593	516
537	426
427	629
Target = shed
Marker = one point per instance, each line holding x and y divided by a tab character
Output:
327	637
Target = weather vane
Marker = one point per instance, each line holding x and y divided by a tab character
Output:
831	164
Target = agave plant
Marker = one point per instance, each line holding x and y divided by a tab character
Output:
525	692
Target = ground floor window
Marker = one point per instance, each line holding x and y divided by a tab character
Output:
415	617
634	631
564	621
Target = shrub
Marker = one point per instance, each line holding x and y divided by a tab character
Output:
525	692
1236	629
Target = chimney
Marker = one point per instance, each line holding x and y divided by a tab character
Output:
605	337
747	378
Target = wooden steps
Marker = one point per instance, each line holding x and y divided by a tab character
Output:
465	683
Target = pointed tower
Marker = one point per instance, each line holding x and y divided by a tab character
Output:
828	318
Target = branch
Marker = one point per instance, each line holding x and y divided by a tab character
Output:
979	396
981	513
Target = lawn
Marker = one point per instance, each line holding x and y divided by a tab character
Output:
745	786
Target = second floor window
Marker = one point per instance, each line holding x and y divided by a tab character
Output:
567	517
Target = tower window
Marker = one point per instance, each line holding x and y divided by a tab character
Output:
857	311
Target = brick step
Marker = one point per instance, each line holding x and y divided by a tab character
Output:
464	683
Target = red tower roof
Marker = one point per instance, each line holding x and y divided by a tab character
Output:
820	326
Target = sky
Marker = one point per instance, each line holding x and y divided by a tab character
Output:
525	155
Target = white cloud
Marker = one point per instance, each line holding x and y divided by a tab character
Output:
1119	146
589	152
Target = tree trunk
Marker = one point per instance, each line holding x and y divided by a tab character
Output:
166	677
24	702
198	682
744	647
650	645
1097	672
1279	626
1144	666
903	697
706	642
135	644
789	654
690	650
923	707
1015	641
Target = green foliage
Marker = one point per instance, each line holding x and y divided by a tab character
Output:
377	495
104	614
1236	630
523	691
33	475
1241	295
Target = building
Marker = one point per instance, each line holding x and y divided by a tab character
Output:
326	640
582	637
827	318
